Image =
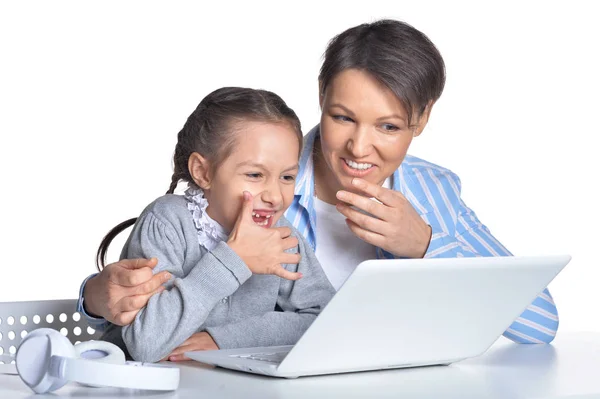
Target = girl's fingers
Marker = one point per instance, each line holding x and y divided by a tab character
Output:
178	358
286	274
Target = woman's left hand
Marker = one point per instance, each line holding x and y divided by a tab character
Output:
201	341
395	226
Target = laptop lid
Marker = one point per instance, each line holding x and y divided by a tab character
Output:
398	313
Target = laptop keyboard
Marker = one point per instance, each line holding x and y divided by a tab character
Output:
271	357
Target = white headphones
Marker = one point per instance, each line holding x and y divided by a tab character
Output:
46	361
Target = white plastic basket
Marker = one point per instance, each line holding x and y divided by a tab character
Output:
19	318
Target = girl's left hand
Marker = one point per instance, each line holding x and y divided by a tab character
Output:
201	341
395	226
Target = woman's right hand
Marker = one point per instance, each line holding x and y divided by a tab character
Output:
122	289
261	249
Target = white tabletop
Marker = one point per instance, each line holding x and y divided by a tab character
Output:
570	367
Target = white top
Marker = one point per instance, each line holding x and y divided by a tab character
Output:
338	250
210	233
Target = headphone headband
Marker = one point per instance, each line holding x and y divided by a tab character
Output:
130	375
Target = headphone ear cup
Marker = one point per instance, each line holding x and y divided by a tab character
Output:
100	352
33	359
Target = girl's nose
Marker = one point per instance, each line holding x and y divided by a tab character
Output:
272	196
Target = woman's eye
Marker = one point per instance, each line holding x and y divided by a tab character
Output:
254	175
342	118
289	178
388	127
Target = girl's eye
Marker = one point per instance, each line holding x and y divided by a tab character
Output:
254	175
388	127
289	178
342	118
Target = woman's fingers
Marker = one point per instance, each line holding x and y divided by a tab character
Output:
391	222
124	302
124	318
366	222
131	272
138	263
384	195
366	235
368	205
125	277
136	302
150	286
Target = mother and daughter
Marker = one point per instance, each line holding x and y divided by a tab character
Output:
221	267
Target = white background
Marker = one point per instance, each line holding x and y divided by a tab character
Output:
92	95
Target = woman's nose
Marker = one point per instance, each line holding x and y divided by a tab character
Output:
359	144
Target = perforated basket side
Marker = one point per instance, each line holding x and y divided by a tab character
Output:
19	318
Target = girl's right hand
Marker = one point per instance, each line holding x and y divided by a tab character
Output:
261	249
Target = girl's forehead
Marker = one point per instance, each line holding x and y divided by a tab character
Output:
266	143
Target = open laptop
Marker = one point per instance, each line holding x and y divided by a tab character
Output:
405	313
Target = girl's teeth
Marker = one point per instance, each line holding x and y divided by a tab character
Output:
356	165
257	215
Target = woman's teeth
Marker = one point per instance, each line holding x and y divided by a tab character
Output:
356	165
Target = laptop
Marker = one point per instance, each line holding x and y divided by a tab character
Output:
405	313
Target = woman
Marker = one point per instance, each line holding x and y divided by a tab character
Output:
358	194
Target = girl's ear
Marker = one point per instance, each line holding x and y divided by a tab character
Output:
199	169
321	95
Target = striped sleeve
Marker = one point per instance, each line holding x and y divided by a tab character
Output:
99	324
539	322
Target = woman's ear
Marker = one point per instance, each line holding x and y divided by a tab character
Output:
423	119
199	169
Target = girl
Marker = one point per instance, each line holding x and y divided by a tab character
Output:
224	294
